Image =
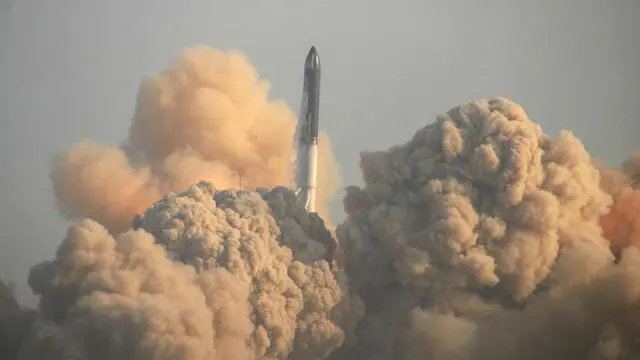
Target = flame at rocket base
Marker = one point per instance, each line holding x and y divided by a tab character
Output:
307	132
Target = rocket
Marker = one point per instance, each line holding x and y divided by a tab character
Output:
306	141
307	132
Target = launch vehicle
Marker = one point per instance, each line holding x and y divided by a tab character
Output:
307	132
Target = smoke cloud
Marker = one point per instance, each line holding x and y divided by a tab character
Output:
621	225
481	238
15	322
207	274
208	117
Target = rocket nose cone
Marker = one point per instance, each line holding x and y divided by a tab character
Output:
313	60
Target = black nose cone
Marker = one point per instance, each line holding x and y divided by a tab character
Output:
313	60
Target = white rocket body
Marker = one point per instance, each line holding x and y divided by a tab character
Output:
308	175
307	133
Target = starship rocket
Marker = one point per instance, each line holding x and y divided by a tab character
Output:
307	132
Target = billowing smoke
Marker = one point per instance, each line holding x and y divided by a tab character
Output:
15	322
208	274
209	118
622	224
481	238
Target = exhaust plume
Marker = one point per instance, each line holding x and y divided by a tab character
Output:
621	225
15	322
208	274
481	238
206	118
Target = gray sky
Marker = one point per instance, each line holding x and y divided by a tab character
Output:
70	69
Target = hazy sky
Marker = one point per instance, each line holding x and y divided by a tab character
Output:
70	69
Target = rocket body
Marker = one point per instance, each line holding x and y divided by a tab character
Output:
307	132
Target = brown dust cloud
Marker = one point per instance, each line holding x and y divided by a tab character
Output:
480	238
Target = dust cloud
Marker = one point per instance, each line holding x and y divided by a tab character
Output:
206	274
481	238
208	117
622	224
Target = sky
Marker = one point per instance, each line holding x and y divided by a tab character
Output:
70	70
